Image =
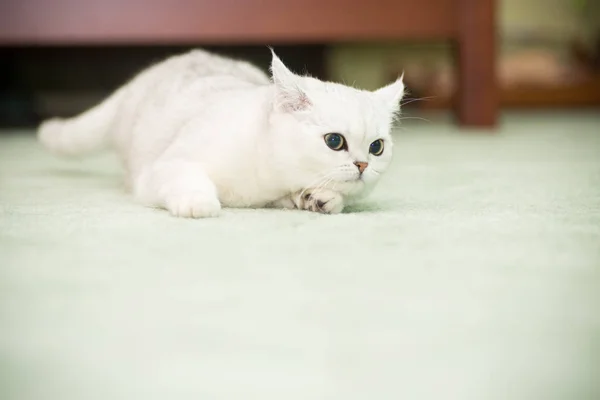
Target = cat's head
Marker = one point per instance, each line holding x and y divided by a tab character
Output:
331	135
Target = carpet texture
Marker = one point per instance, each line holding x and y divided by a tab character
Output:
472	273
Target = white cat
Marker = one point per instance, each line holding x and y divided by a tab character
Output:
198	132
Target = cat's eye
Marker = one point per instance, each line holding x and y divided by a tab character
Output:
376	147
335	141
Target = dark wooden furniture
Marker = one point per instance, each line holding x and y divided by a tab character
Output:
470	24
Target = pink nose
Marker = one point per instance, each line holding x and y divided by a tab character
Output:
361	166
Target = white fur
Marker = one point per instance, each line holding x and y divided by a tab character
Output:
199	131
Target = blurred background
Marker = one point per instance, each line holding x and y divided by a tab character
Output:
547	56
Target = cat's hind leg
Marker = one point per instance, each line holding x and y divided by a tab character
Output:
181	187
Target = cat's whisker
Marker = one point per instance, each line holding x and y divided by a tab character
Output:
321	187
326	175
322	183
313	184
318	182
408	101
419	118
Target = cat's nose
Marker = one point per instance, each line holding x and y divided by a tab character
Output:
361	166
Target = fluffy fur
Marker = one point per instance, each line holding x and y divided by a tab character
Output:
198	132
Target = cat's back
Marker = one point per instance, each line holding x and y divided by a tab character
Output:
160	88
197	85
153	89
185	69
203	63
188	82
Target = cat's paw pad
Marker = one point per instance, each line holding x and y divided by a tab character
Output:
193	205
324	201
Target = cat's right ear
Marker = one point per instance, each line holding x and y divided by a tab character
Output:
393	93
289	96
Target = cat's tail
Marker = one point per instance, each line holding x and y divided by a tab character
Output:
85	133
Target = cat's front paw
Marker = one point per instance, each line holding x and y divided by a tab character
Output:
193	205
323	201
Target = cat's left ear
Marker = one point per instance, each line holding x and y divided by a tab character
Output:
392	93
290	96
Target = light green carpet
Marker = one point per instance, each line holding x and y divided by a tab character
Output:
473	273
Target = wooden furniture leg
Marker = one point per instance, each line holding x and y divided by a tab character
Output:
477	92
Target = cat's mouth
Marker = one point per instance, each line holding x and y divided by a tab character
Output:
357	179
348	184
354	183
352	186
351	180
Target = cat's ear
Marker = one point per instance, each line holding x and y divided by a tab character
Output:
392	93
289	95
